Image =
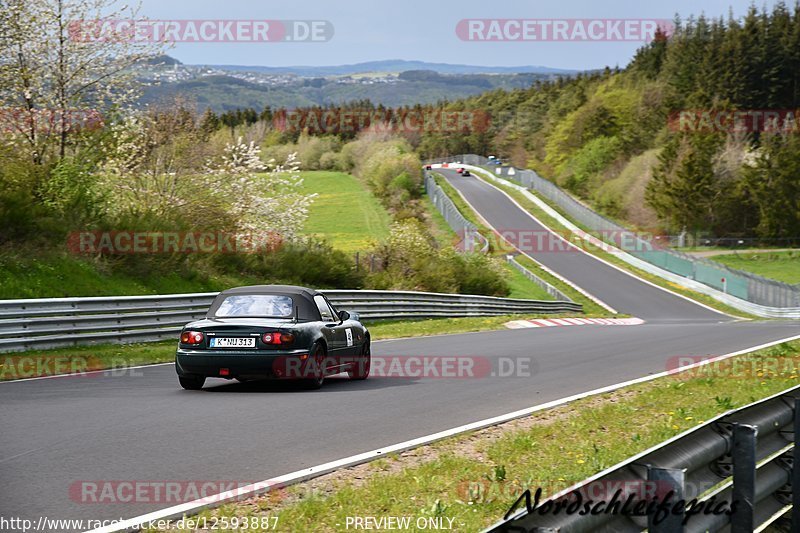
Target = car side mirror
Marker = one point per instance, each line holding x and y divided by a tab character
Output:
344	315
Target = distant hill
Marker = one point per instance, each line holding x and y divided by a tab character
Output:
394	66
222	93
223	88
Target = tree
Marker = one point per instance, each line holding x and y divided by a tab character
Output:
773	182
55	69
683	189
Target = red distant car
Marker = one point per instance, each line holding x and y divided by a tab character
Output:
460	170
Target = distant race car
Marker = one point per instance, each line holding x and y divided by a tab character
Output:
465	172
272	332
460	171
428	167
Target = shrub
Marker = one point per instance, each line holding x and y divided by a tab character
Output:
412	262
300	262
72	193
481	274
591	159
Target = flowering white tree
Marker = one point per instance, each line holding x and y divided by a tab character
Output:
261	203
265	198
52	82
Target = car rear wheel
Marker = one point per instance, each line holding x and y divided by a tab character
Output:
315	367
360	369
192	382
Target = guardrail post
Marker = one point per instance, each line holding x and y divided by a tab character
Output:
666	480
796	468
744	477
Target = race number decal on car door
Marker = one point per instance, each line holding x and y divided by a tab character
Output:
349	333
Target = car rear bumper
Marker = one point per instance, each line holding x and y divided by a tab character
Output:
279	364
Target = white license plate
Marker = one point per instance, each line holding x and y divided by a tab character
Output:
232	342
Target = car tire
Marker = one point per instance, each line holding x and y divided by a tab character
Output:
318	356
192	382
360	369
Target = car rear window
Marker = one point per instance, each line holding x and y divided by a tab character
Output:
256	305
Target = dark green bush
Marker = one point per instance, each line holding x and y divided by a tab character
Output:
311	263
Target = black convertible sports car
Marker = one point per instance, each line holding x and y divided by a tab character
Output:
272	331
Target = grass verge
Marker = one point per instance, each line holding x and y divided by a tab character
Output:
522	287
780	266
473	478
345	213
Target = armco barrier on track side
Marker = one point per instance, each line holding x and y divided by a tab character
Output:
744	456
472	238
742	290
57	322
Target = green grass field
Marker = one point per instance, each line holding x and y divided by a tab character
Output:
522	287
344	212
781	266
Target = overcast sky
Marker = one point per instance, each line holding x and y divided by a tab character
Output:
368	30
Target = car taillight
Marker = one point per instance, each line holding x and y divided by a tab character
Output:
191	337
276	337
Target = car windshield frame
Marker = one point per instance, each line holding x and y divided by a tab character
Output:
254	298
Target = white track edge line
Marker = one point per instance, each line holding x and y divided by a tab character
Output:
308	473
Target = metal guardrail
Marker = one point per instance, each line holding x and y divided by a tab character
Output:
461	225
551	290
740	284
744	456
472	237
56	322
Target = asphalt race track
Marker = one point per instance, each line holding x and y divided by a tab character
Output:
142	426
